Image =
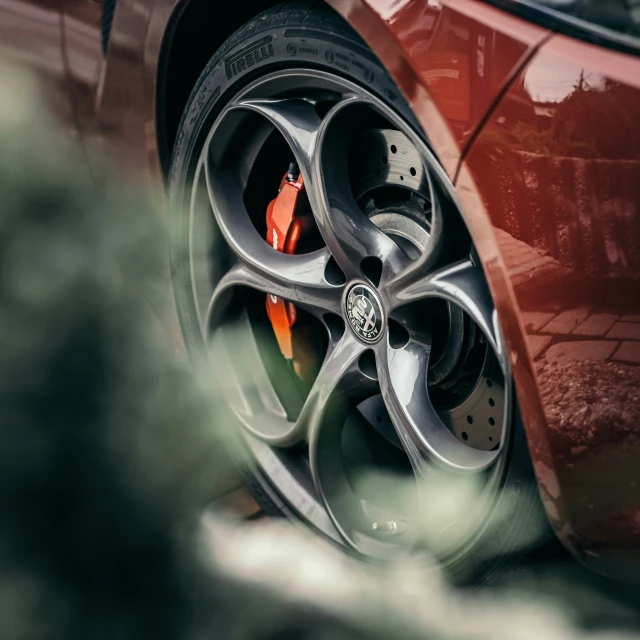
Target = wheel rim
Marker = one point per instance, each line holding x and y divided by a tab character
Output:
409	274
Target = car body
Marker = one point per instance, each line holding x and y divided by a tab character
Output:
534	117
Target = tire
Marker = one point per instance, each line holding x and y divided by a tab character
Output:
308	34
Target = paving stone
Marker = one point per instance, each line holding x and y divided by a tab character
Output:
627	330
520	257
628	352
631	318
567	321
528	265
581	350
537	344
551	270
596	325
535	320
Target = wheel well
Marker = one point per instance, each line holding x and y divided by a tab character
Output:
194	33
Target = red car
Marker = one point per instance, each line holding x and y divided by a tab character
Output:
424	217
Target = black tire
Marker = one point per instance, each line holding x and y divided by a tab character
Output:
308	33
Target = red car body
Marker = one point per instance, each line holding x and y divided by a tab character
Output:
539	133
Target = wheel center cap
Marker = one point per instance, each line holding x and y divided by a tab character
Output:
364	313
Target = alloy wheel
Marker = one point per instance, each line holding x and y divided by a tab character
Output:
405	372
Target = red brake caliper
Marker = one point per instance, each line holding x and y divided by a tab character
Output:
283	233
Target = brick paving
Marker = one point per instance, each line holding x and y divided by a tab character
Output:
573	334
628	352
566	321
580	350
535	320
628	330
577	334
596	325
531	265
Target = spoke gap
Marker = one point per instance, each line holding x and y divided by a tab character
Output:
367	364
322	107
398	335
335	324
333	273
372	269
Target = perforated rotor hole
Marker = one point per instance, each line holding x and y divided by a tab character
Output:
470	420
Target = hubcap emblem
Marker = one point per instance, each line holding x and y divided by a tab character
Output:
364	313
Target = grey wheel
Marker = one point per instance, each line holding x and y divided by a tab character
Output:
401	377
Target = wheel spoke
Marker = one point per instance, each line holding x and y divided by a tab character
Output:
413	271
351	236
340	383
462	284
245	385
320	150
298	123
299	280
403	380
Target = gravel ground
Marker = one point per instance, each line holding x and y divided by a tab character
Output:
591	404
